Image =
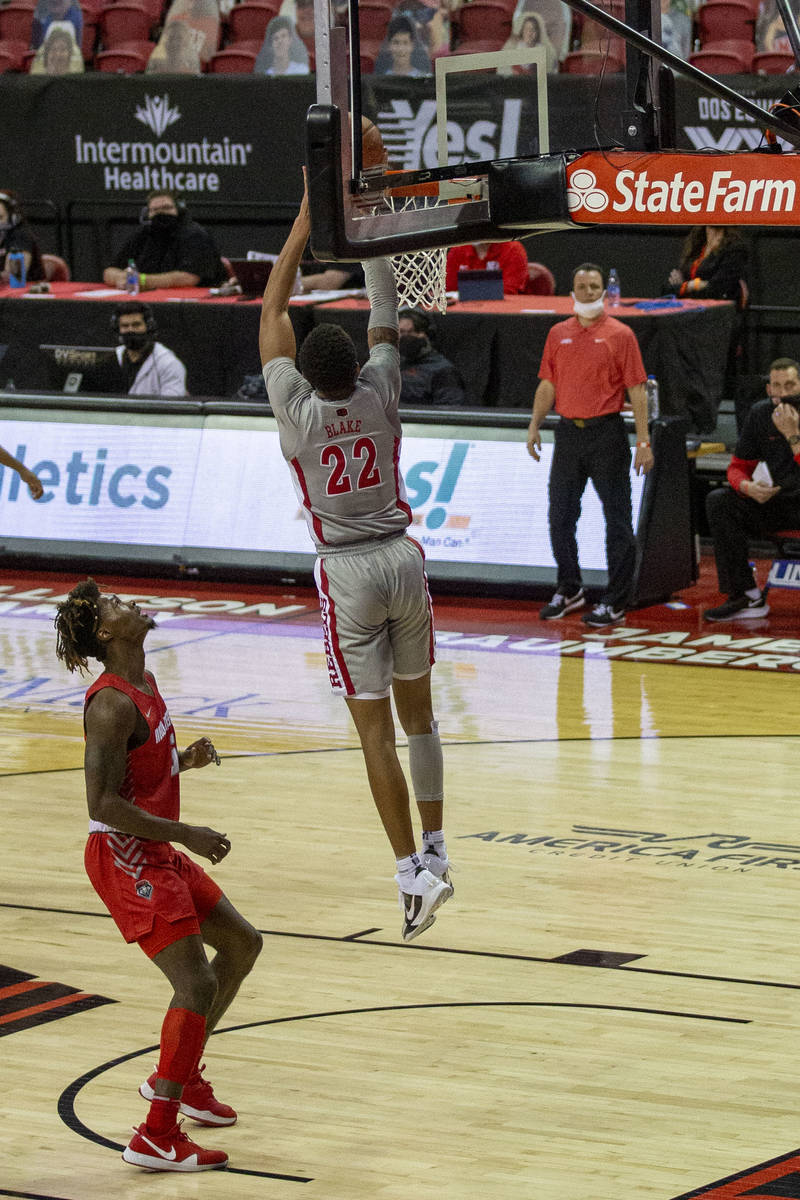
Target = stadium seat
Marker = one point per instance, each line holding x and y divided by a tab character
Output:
88	39
16	21
232	61
12	56
540	281
725	20
480	45
724	58
483	19
248	21
592	62
373	19
120	62
773	62
124	22
55	268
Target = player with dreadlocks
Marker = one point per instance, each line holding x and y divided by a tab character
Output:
156	894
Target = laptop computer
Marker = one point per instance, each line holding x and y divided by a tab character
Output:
252	275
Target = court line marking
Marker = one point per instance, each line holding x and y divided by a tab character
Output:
360	939
243	754
66	1101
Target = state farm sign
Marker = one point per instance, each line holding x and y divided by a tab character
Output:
684	189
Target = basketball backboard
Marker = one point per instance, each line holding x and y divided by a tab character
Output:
456	189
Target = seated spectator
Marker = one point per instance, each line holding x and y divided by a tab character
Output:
427	376
16	237
676	27
510	257
402	53
176	52
301	14
770	30
557	18
282	52
713	262
47	11
169	250
147	367
59	53
762	493
201	18
528	30
431	19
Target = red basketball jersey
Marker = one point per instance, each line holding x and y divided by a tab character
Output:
151	778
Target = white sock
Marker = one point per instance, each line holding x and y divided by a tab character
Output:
407	869
753	593
433	843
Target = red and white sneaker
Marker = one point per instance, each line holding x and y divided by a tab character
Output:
172	1151
198	1101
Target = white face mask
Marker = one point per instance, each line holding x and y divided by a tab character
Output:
590	310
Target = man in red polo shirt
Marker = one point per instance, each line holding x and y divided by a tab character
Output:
589	364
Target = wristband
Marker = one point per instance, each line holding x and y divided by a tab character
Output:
793	440
642	445
142	282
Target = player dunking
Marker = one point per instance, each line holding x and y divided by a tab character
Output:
157	896
340	434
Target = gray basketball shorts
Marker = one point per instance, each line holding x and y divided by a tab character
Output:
377	618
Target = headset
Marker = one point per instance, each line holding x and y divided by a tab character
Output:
144	216
12	204
128	309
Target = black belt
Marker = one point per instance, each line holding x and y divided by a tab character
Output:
581	422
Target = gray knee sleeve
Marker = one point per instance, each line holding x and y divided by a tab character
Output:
427	766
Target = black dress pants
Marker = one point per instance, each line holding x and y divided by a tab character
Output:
598	451
734	521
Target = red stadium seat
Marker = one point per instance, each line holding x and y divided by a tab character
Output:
725	20
12	56
483	19
480	45
88	39
120	62
16	21
248	21
773	62
373	19
592	62
55	268
540	281
125	22
233	61
725	58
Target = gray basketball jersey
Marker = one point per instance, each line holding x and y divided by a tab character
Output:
344	457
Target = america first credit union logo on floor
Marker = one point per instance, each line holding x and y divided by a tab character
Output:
721	852
195	166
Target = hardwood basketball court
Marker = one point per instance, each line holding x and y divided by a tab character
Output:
608	1007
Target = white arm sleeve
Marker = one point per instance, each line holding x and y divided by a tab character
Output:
381	293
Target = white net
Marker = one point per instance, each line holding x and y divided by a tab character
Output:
420	274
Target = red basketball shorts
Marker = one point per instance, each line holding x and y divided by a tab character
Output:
155	894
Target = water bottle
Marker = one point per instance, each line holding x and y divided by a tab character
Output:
132	279
653	405
613	288
17	276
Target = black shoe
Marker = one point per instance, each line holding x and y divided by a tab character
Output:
560	605
742	608
603	614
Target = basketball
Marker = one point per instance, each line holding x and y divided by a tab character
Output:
373	151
